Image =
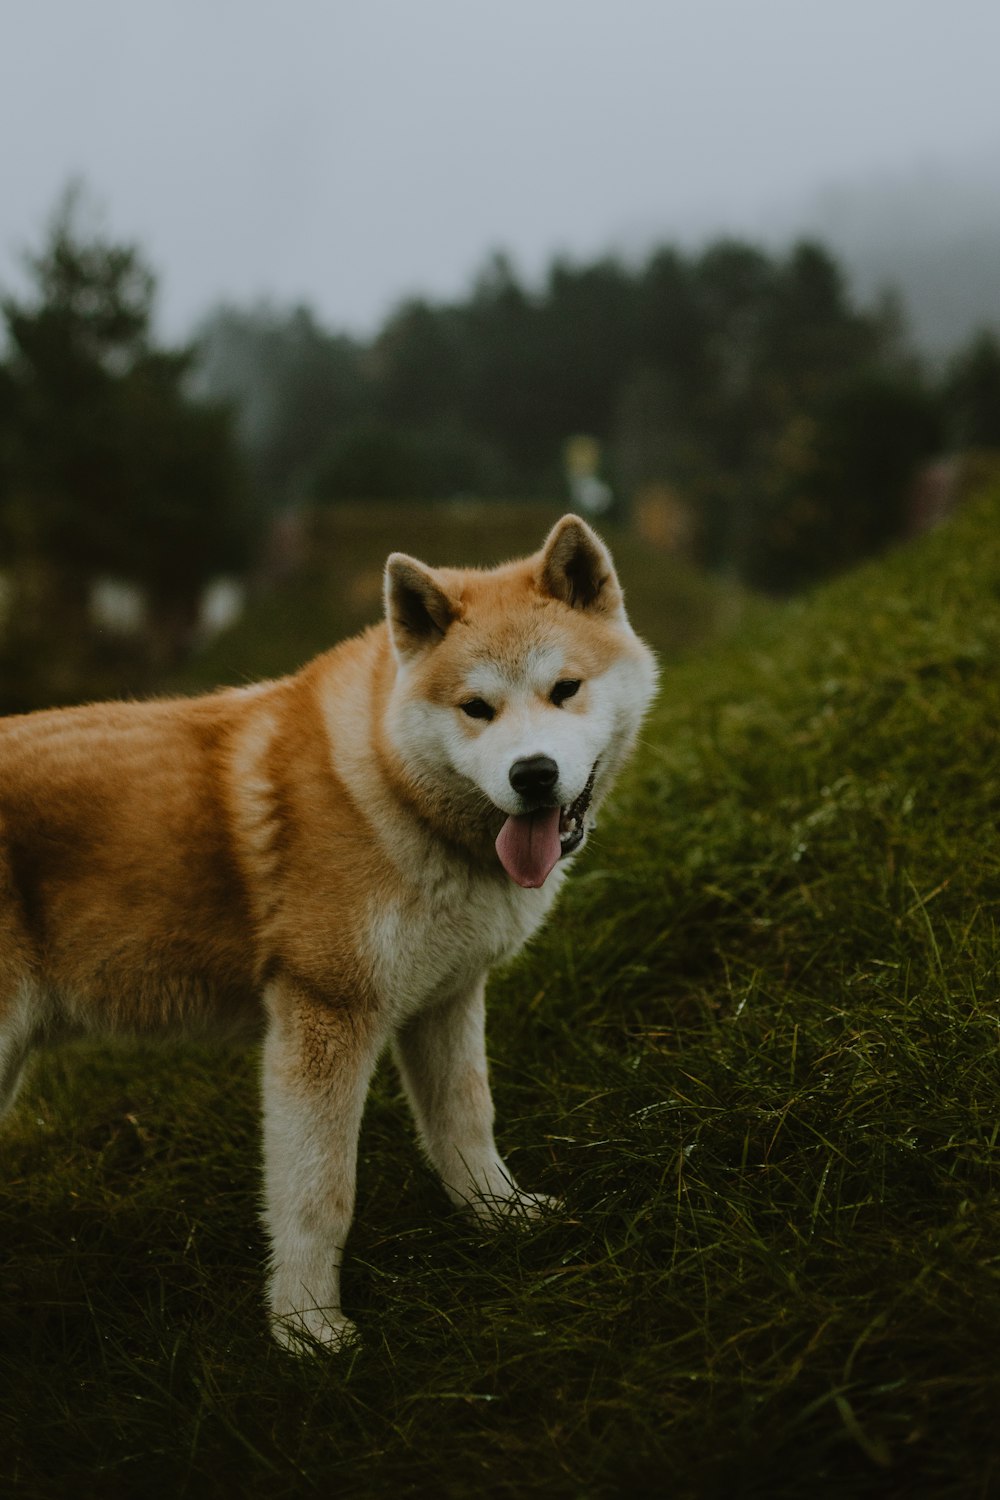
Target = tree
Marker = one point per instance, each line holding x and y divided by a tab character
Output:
841	479
293	385
972	393
111	467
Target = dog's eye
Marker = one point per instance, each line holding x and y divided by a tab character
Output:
478	708
562	691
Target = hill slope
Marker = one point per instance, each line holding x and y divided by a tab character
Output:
757	1054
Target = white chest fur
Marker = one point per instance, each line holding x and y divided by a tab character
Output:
443	935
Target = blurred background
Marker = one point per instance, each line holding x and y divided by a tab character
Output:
285	287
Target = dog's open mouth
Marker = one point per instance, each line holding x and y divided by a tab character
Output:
531	844
571	819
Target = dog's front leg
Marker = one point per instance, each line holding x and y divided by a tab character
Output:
317	1064
441	1055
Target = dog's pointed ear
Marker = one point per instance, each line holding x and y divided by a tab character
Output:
418	611
576	567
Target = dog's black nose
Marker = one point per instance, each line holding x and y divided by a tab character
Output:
534	776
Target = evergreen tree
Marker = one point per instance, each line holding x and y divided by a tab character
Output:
111	468
294	387
972	393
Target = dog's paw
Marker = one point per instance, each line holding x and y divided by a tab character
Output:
515	1207
313	1330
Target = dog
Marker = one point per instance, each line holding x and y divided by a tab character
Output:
342	856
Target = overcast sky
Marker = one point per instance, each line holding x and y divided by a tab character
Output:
347	153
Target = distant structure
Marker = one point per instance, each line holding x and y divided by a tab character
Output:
934	495
119	608
589	493
663	519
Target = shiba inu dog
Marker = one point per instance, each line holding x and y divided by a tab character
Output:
341	855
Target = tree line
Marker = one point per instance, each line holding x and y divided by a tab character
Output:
781	420
786	422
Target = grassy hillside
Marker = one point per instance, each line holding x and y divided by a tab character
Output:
757	1055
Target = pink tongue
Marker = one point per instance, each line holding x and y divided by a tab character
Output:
528	846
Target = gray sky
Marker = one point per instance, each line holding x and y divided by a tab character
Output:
349	152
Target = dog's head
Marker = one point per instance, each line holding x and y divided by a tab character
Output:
525	683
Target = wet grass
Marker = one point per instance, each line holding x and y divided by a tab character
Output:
757	1056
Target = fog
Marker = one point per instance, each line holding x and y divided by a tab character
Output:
347	155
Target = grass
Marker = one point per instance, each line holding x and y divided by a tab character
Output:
757	1054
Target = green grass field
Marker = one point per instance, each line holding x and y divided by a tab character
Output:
756	1053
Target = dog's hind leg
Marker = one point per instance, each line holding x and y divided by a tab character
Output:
317	1063
20	1014
17	1035
441	1056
